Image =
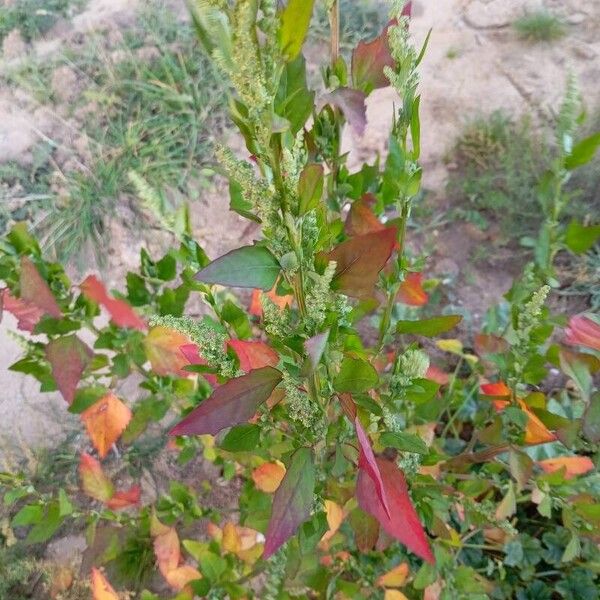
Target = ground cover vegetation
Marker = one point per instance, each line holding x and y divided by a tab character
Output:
371	455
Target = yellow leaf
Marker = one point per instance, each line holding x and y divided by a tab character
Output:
93	480
453	346
178	578
231	540
101	589
396	577
394	595
105	421
335	516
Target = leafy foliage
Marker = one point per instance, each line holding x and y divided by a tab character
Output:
361	467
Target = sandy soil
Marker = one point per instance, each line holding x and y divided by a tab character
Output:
475	64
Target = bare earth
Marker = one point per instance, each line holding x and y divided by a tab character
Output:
475	64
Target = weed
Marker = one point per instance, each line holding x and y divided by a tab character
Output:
539	26
18	573
499	163
35	17
159	101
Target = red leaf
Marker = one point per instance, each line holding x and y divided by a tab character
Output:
105	421
361	219
234	402
582	331
403	524
120	312
26	313
359	261
254	355
368	463
125	498
369	60
348	406
68	356
407	10
352	103
292	502
411	290
191	354
35	290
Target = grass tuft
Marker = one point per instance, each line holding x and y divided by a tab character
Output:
540	26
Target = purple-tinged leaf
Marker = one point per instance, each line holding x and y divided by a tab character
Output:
292	502
230	404
352	103
403	523
368	463
68	356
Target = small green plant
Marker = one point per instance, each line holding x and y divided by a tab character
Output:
540	26
358	467
34	17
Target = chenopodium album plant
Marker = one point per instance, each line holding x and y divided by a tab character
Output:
364	469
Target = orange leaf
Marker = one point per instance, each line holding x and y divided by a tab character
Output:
94	482
411	291
120	312
231	541
280	301
101	589
254	355
268	476
573	465
167	551
396	577
125	498
163	349
178	578
105	421
499	389
535	431
35	290
26	313
489	344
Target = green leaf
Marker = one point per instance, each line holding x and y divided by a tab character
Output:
295	20
407	442
248	266
310	187
429	327
294	101
591	419
241	438
583	152
46	528
28	515
580	238
231	313
356	375
85	397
